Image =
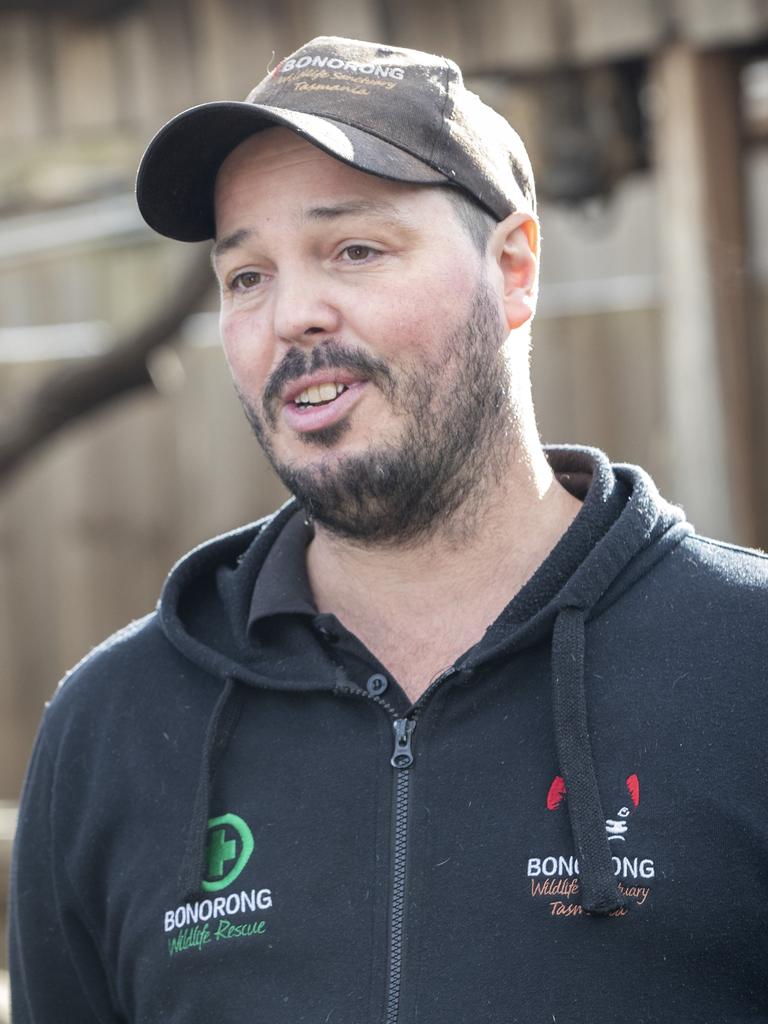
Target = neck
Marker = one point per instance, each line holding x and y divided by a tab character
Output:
455	582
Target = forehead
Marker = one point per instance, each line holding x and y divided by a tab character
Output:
277	166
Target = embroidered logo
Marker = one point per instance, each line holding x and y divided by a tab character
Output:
217	918
615	827
225	835
322	73
556	876
374	69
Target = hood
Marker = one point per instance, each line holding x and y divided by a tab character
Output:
205	604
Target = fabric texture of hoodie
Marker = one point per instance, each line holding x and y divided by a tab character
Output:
222	824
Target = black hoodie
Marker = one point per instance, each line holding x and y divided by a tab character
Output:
569	825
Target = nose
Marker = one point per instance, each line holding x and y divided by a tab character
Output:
303	306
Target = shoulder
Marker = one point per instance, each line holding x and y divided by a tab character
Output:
698	589
141	641
709	599
126	674
722	566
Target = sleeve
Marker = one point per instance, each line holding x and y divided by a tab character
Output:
56	972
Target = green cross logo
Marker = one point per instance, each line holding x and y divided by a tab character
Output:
222	848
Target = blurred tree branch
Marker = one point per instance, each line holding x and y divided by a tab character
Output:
81	388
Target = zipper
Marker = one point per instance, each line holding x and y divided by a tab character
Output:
402	755
402	760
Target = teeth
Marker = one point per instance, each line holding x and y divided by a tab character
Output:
320	393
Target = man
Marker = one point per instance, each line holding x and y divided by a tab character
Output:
467	731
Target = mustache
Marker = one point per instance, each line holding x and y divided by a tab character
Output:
297	363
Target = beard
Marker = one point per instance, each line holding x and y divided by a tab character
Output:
457	436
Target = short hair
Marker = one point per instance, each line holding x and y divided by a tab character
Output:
477	222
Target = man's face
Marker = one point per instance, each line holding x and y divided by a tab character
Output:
361	334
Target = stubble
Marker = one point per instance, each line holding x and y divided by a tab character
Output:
457	437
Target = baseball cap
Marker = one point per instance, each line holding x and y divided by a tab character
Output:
396	113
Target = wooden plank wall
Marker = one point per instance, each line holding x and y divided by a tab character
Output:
89	529
91	525
69	75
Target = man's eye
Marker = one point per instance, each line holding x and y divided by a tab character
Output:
358	253
246	279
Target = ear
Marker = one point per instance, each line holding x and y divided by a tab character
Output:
515	246
556	793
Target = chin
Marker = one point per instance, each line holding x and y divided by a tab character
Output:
330	443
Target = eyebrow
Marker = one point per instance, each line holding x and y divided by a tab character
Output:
229	242
353	206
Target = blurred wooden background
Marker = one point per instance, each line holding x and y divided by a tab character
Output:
89	527
650	341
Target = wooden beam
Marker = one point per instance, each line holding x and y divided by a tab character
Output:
710	404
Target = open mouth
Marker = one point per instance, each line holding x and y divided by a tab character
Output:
321	405
321	394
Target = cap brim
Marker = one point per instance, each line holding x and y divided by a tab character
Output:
175	183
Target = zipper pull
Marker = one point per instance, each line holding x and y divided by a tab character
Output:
402	756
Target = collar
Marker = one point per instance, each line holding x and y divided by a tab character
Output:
282	586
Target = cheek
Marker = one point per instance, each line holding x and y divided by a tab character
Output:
418	319
248	357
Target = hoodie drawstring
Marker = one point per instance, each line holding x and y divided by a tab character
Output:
221	726
599	890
